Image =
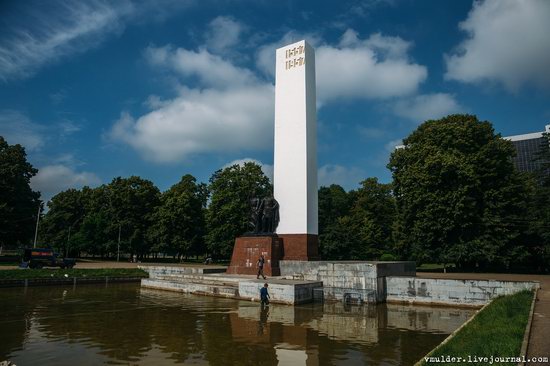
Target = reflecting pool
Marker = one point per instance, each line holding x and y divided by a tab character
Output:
125	324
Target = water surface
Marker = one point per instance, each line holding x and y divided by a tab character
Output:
125	324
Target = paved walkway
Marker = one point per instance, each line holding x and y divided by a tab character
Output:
539	339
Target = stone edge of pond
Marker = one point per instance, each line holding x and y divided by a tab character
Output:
525	335
451	336
65	281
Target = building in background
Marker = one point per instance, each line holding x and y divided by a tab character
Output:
527	147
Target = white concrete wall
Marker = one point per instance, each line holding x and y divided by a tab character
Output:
450	292
295	152
287	293
344	277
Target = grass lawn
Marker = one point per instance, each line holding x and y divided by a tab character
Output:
21	274
9	263
496	331
433	267
10	260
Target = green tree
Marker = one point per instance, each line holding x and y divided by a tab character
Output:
373	213
18	202
94	236
228	213
334	202
357	224
459	198
334	205
132	202
63	219
179	222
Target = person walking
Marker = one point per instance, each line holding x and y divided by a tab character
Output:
260	264
264	295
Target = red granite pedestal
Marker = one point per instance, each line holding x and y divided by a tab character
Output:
300	247
248	249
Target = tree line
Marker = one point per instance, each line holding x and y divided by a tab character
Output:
455	198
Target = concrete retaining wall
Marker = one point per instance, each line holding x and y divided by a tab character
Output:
450	292
346	277
286	293
191	287
161	271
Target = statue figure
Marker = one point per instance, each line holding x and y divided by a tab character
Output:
264	215
270	214
256	214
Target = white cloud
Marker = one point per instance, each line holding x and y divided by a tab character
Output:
266	168
233	111
201	121
427	106
507	43
212	70
377	67
223	33
17	128
52	179
60	28
347	177
70	27
391	145
68	127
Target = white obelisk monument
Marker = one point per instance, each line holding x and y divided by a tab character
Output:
295	170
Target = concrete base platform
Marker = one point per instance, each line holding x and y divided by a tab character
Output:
243	287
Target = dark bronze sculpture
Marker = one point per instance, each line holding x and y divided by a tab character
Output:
256	214
264	215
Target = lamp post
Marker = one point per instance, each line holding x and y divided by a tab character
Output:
118	246
69	235
37	221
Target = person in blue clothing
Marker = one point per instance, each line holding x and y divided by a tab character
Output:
264	295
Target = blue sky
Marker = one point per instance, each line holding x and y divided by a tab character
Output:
159	89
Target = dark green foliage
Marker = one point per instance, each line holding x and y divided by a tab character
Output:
228	213
387	257
459	198
64	217
18	202
496	331
132	202
334	202
373	212
358	224
334	236
179	222
95	216
94	236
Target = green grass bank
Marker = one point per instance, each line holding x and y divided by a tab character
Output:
55	274
496	331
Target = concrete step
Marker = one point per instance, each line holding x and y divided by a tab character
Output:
180	270
199	280
193	287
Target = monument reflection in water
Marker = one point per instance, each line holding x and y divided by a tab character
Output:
125	324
